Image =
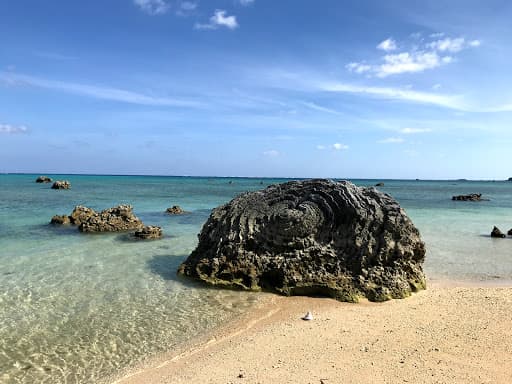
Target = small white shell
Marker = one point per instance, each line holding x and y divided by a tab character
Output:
308	316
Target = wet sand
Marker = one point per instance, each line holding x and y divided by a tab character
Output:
450	333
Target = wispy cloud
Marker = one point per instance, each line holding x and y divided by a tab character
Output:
153	7
387	45
335	147
427	55
94	91
246	2
391	140
412	131
219	19
186	8
393	94
319	108
8	129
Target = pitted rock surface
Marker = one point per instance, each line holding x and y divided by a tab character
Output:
311	237
116	219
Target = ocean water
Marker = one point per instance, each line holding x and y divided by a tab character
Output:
76	308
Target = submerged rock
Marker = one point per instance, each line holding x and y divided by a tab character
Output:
149	232
470	197
311	237
497	233
116	219
175	210
43	179
61	184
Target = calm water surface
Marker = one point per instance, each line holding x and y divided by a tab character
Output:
75	308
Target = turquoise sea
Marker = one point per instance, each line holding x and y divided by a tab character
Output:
76	308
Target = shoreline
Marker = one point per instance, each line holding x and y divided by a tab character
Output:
467	324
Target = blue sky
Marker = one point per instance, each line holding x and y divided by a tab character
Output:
294	88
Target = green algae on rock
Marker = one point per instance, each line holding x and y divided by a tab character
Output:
312	237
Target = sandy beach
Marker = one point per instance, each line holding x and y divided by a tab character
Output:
450	333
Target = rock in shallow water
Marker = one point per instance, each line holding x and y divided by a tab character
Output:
311	237
496	232
116	219
149	232
43	179
175	210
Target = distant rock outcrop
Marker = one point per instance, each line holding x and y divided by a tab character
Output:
149	232
381	184
61	184
311	237
43	179
175	210
470	197
497	233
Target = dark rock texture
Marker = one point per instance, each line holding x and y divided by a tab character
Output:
81	214
470	197
509	232
381	184
497	233
116	219
175	210
311	237
149	232
43	179
61	184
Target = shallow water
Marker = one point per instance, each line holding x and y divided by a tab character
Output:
75	308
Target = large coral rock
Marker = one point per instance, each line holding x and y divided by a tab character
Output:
116	219
311	237
81	214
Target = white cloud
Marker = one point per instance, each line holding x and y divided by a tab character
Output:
436	86
12	129
410	131
421	56
358	67
387	45
97	92
152	7
320	147
448	45
339	146
392	140
271	153
408	62
246	2
188	5
219	19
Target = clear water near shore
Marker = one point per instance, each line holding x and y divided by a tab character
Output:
76	308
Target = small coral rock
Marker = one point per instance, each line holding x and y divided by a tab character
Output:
61	184
470	197
43	179
60	219
175	210
149	232
497	233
